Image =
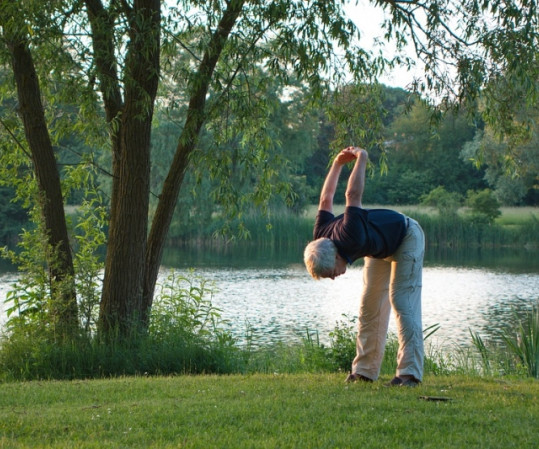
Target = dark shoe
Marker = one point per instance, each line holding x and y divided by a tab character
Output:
352	377
398	382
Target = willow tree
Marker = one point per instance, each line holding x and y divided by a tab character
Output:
121	51
40	151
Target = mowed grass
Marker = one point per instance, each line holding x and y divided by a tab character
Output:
269	411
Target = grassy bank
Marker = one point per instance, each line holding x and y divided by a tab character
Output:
269	411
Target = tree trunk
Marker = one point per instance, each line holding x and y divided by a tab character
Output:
196	115
121	303
133	259
59	258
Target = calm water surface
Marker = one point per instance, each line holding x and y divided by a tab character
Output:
271	295
283	303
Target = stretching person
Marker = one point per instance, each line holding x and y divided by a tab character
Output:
393	247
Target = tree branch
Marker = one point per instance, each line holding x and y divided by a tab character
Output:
105	59
14	137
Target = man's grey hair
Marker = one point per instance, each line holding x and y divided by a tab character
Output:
319	257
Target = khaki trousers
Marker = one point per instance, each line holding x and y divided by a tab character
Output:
392	283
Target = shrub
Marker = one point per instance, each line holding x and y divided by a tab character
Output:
485	208
447	203
343	343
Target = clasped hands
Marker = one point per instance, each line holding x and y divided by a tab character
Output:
349	154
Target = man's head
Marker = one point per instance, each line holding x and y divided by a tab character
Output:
322	259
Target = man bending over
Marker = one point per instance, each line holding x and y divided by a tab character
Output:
393	247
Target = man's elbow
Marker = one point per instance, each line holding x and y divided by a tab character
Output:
353	198
326	202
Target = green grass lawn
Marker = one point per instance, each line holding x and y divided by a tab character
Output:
517	215
269	411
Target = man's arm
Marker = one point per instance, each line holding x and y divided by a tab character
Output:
332	178
356	181
330	186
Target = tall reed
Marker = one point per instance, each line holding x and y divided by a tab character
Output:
287	229
284	229
519	351
523	342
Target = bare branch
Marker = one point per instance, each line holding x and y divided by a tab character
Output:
14	137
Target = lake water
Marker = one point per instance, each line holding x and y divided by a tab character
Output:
271	295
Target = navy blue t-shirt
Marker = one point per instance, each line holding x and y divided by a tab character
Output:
362	232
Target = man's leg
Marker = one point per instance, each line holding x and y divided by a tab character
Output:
373	318
405	296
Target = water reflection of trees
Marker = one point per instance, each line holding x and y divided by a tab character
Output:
510	260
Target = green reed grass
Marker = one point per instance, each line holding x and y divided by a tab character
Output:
174	351
458	231
523	342
483	352
516	351
283	229
31	359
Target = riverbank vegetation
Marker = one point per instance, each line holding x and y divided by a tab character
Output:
187	335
